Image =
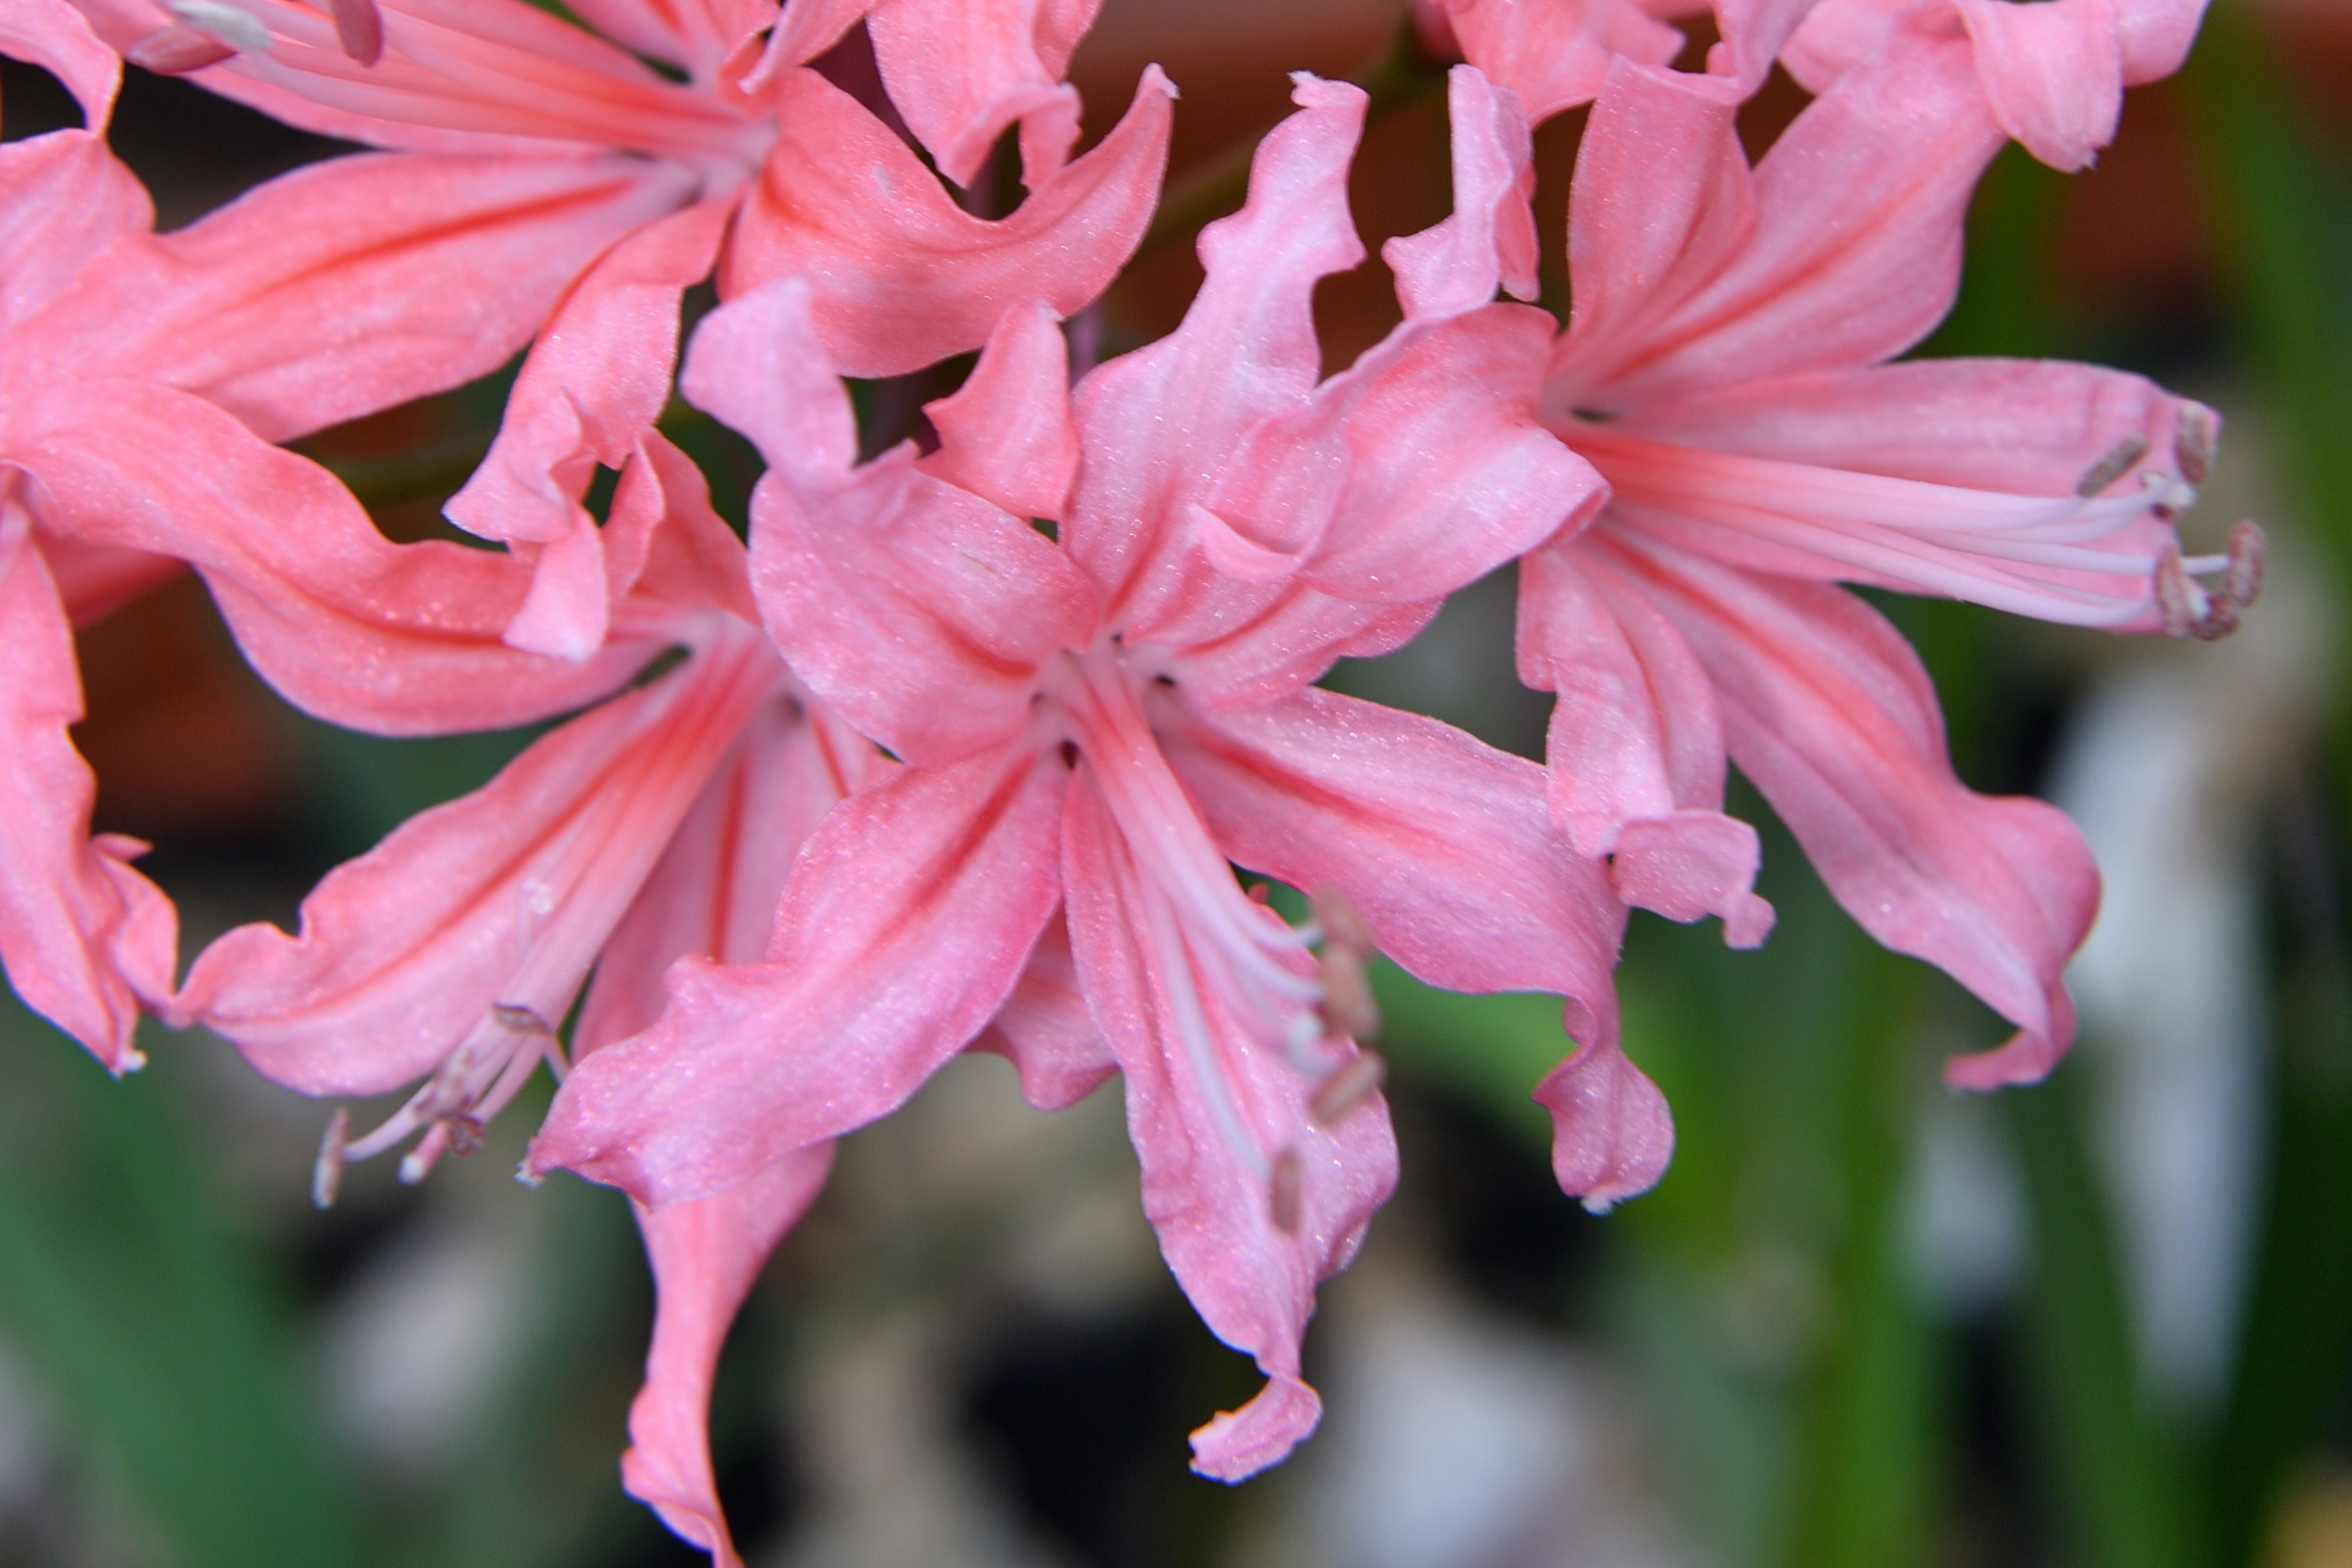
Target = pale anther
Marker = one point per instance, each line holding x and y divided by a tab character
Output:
464	1136
2113	467
326	1176
359	29
2243	580
2194	440
523	1020
1350	1086
1348	1010
1283	1190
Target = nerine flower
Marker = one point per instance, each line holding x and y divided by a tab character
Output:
752	163
657	823
128	361
1723	371
1097	725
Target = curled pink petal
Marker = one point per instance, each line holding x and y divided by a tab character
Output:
875	977
1827	709
54	36
1612	1136
706	1254
1489	240
902	275
84	938
1006	434
1556	54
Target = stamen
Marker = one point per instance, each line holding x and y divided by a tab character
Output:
2113	467
1347	1009
326	1176
523	1020
1283	1192
1348	1088
2194	435
359	29
177	49
2191	610
418	1162
464	1136
2247	547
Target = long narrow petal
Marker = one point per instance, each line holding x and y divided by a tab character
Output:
918	610
1255	1201
497	77
1447	847
716	888
1006	434
397	639
962	72
1419	469
503	897
1174	412
1853	254
58	39
903	277
1635	752
356	285
84	938
1045	1031
1556	54
1828	709
1489	242
903	930
2053	75
706	1254
63	197
921	612
591	388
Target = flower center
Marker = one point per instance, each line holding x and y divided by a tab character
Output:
1237	978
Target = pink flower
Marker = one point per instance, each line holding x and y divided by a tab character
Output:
752	163
1722	370
2053	73
119	351
1096	728
656	823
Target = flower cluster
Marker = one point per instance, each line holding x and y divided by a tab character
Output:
962	747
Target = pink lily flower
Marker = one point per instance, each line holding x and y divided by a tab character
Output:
658	824
1723	371
754	165
2054	74
125	356
1098	725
